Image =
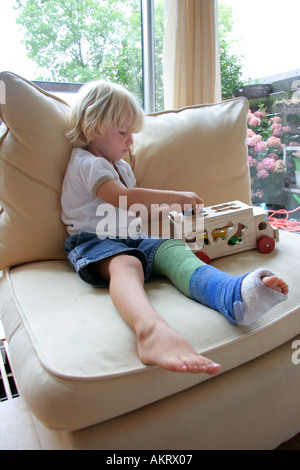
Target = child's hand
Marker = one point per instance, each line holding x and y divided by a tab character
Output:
190	200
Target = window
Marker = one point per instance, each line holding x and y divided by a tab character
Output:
81	40
259	60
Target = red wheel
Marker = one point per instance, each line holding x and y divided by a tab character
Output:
203	257
265	244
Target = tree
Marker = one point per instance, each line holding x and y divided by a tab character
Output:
83	40
231	64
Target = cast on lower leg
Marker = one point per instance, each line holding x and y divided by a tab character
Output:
257	298
241	299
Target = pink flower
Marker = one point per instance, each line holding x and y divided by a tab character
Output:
276	129
259	194
286	129
260	146
254	121
251	141
268	163
275	119
250	133
252	161
262	173
278	166
260	114
273	155
273	142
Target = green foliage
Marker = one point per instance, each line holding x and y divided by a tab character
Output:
83	40
231	64
231	71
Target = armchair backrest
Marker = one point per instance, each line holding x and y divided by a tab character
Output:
199	148
34	153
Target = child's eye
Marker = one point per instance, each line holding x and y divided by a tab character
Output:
123	132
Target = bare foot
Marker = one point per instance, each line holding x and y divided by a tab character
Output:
276	283
164	347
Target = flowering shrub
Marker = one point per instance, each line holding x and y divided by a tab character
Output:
265	139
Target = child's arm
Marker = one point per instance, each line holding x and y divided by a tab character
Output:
111	190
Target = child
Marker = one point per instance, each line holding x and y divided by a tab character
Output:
97	179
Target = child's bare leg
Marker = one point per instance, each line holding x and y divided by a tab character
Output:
157	343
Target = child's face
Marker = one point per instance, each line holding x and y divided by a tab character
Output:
113	144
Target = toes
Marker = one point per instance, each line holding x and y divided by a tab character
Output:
204	367
213	368
270	281
275	283
183	368
193	367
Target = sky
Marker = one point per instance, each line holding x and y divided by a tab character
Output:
267	33
14	57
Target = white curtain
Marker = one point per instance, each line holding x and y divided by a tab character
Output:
191	55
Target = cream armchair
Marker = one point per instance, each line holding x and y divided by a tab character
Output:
74	358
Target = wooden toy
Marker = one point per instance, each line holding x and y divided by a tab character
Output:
224	229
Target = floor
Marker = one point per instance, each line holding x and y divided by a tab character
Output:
292	444
17	430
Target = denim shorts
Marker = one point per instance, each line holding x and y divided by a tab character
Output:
86	248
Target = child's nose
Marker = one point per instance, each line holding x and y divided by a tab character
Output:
130	139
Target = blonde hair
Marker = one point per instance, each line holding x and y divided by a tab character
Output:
100	105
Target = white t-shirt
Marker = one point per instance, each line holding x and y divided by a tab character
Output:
82	210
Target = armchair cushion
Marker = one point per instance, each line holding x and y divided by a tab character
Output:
199	148
34	154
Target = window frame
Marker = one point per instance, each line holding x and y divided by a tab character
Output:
148	63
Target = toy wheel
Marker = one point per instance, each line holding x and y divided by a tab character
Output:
265	244
203	257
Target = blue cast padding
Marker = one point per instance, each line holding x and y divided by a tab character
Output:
217	290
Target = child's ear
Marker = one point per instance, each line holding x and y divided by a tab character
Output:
92	134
